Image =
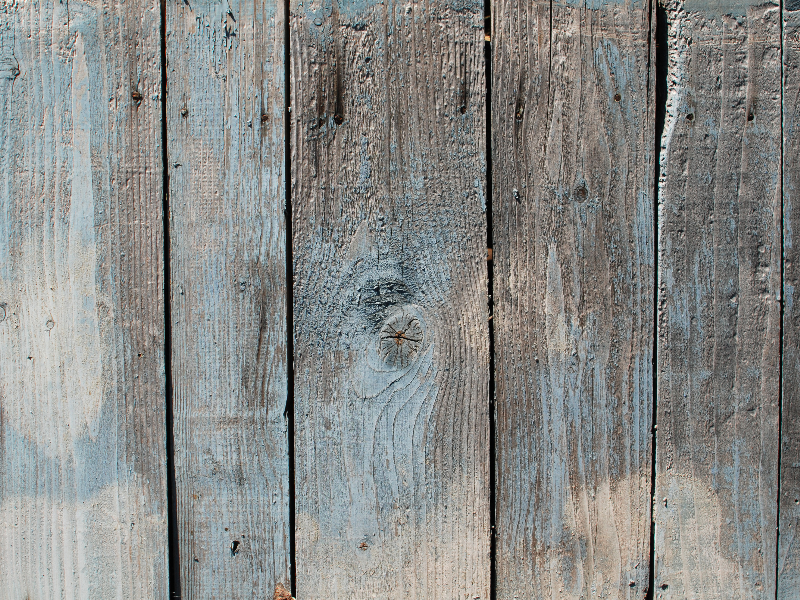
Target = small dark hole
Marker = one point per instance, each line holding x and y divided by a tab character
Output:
463	109
750	116
264	118
184	112
519	114
367	58
690	117
234	547
338	119
664	586
617	97
581	193
137	97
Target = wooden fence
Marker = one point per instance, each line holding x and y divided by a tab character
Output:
251	344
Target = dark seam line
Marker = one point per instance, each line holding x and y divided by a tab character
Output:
174	564
289	278
782	305
661	60
487	63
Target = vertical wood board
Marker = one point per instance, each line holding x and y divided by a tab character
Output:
390	300
225	134
83	510
719	294
789	516
572	123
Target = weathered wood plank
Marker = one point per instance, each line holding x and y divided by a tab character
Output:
83	511
572	125
789	516
719	294
228	275
391	341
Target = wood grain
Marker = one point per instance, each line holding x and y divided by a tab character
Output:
83	511
719	294
225	118
572	123
390	310
789	516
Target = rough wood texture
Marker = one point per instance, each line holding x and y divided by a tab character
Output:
572	118
83	510
228	275
390	312
789	517
719	294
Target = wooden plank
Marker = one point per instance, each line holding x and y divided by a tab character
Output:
789	515
83	510
390	300
719	303
225	117
573	164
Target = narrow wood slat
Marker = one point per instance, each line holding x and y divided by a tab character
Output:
83	508
390	304
719	294
225	135
572	123
789	516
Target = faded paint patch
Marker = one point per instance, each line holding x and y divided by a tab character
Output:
84	361
719	8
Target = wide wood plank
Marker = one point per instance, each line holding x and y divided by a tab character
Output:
572	123
225	117
789	516
83	510
390	300
719	303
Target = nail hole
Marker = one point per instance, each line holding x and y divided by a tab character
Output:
617	97
750	116
463	109
581	193
264	118
234	547
690	117
338	119
137	97
184	112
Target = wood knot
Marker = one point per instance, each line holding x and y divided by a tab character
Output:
281	593
137	97
400	340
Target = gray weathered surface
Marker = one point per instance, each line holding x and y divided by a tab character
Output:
390	314
789	517
83	510
228	270
719	315
572	112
